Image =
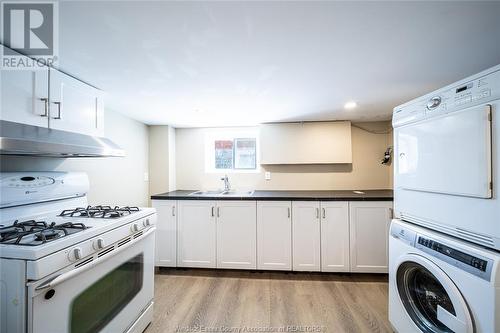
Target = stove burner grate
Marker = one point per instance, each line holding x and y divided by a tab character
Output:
106	212
37	232
47	234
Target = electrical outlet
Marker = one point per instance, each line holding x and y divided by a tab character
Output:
268	175
146	176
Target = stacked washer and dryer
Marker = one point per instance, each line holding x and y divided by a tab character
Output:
444	245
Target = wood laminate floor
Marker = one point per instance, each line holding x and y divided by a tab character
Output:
238	301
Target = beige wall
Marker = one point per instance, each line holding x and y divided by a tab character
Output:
113	180
161	159
366	172
172	181
174	159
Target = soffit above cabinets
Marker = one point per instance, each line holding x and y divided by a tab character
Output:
306	143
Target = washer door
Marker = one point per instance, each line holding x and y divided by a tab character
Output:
430	298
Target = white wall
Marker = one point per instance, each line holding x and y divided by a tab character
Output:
365	172
113	180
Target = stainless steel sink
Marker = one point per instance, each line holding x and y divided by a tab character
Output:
231	193
206	193
236	193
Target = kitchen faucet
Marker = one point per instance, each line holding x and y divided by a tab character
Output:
227	185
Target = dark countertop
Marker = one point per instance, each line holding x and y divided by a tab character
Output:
345	195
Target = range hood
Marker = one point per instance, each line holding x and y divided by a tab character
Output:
22	139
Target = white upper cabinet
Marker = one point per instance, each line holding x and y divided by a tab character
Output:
274	235
335	236
166	233
196	234
306	143
74	105
24	96
71	105
369	235
236	234
306	240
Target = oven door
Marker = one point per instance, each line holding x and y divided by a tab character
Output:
105	295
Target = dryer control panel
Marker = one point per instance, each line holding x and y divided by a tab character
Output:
475	90
475	265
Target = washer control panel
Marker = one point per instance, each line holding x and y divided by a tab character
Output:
473	264
455	254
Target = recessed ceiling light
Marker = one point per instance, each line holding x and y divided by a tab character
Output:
350	105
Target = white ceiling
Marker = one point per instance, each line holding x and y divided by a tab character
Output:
240	63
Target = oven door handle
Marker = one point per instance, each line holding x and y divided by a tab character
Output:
68	275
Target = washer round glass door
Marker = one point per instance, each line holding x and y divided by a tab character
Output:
430	298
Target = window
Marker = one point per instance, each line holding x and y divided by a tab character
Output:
223	154
245	151
231	151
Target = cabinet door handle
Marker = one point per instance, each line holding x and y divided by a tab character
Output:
324	213
288	212
317	213
45	107
173	210
58	110
213	211
391	213
218	211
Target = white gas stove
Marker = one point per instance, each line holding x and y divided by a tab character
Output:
60	256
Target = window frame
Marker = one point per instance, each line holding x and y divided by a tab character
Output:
233	135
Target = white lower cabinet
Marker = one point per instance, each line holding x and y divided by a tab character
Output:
166	233
274	235
236	234
369	235
196	234
335	236
306	236
327	236
214	234
320	236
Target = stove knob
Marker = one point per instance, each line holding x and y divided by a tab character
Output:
146	222
99	244
75	254
134	227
